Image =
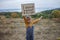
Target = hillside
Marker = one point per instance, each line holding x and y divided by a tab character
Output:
49	11
45	14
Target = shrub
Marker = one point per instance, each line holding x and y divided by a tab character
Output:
14	15
56	13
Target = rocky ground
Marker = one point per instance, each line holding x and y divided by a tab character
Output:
15	29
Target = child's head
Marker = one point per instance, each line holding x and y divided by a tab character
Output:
28	19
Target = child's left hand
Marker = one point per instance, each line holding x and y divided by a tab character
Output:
41	17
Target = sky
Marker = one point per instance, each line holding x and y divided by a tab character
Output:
40	5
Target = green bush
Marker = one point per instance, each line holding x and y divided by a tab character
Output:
56	13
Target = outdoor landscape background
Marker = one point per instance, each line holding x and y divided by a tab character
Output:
12	26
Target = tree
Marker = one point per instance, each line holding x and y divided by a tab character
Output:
14	15
56	13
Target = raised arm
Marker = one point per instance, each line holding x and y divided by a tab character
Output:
24	18
35	21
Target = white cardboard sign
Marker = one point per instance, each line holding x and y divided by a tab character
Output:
28	9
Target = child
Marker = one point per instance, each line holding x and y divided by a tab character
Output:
29	27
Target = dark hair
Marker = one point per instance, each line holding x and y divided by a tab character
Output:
28	17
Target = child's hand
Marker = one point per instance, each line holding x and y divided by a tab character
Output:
41	17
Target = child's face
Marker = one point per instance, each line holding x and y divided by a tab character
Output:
28	19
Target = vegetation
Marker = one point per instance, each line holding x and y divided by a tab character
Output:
14	15
55	13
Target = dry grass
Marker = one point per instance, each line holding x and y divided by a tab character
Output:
14	29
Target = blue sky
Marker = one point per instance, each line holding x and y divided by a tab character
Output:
40	5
